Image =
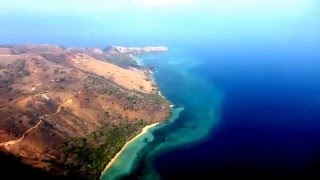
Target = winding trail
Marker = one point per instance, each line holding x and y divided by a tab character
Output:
3	108
9	143
12	142
69	101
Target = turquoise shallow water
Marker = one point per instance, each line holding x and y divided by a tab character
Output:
186	90
125	162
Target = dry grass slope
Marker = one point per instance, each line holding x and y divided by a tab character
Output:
88	107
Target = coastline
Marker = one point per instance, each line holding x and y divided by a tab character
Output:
136	58
113	160
145	130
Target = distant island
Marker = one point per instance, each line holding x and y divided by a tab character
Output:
69	111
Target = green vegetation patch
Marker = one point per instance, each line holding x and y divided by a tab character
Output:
87	157
122	60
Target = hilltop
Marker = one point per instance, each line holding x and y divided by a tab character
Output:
68	111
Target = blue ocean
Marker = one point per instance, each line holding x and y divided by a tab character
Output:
245	83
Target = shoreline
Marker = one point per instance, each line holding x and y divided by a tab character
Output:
144	129
113	160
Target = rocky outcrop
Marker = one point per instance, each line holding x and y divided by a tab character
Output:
136	50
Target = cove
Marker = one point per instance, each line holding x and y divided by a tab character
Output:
196	112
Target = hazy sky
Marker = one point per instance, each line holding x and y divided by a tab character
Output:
223	19
107	6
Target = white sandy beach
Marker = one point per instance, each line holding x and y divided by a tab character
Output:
144	130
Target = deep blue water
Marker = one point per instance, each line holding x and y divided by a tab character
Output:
270	116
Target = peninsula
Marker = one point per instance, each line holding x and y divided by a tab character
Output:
69	111
136	50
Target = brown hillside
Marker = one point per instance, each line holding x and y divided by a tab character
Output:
67	112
